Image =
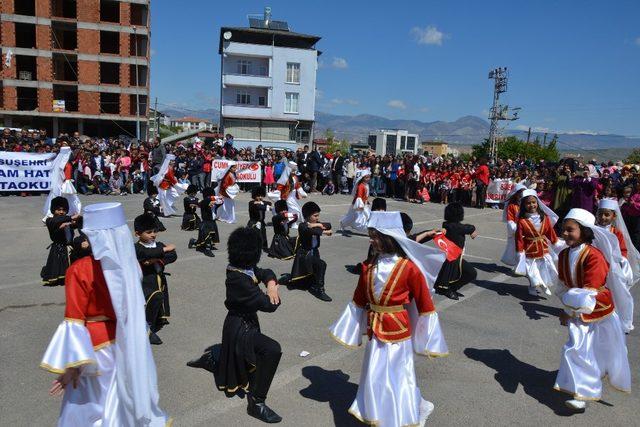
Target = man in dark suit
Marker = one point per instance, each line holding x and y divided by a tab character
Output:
315	162
336	169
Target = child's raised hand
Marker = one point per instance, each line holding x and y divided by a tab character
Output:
474	234
170	247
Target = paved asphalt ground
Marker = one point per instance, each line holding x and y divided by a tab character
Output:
505	345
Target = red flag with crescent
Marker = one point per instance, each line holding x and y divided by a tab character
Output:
452	250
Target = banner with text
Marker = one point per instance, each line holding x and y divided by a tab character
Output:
245	172
25	171
498	189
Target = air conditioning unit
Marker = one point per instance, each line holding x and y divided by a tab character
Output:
25	75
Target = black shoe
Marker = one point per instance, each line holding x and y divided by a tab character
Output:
320	294
258	409
154	339
192	242
459	294
206	252
206	361
451	294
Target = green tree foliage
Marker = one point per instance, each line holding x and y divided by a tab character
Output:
633	157
512	147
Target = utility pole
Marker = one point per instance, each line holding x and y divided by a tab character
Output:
529	135
498	112
155	119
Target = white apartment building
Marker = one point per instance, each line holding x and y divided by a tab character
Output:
393	141
268	84
192	123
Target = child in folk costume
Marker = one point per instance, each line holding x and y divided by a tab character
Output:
61	184
534	235
100	350
60	227
190	218
168	187
282	245
609	218
258	208
359	211
228	189
589	273
290	189
307	264
248	358
153	256
510	217
151	206
393	304
457	272
208	234
378	205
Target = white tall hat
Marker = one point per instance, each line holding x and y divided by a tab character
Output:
610	204
103	216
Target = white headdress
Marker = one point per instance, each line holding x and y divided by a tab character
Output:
106	228
58	186
359	175
232	190
157	178
511	193
553	217
607	243
290	167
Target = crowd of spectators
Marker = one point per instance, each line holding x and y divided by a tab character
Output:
118	166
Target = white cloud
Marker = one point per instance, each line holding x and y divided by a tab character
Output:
428	35
321	64
424	110
396	103
344	101
340	63
638	41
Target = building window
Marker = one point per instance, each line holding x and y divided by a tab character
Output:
403	142
293	72
243	98
262	101
373	139
244	67
411	143
391	144
291	102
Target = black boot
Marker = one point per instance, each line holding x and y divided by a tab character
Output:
258	409
154	339
192	242
317	288
318	292
206	361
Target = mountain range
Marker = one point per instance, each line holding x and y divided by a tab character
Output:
467	130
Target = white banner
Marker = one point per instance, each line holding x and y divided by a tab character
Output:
498	189
25	171
245	172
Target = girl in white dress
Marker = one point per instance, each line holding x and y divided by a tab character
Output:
360	210
510	217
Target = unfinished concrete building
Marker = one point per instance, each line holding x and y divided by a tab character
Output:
75	65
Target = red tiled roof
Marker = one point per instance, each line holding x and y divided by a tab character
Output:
191	119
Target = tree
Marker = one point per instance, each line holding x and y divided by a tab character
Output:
335	145
512	147
633	157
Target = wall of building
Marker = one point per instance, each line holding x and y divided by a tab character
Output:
308	60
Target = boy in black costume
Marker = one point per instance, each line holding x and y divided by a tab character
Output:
282	246
60	227
190	219
153	256
257	211
151	205
248	359
307	263
208	234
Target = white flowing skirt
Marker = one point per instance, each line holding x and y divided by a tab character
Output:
593	351
388	394
509	255
541	272
227	211
356	219
294	207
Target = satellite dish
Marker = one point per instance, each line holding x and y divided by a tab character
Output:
227	35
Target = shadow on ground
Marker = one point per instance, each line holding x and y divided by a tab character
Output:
515	290
332	387
538	311
512	372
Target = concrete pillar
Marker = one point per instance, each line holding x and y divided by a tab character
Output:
81	126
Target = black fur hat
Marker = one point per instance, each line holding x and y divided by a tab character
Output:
151	189
407	222
192	189
379	204
454	212
280	206
59	202
208	192
245	247
258	192
145	222
309	209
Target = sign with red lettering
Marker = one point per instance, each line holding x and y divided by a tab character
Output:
245	171
498	189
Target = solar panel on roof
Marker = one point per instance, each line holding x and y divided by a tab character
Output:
256	23
279	25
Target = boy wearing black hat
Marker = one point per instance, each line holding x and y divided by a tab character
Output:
257	211
248	359
282	246
60	227
151	205
153	256
190	219
208	234
307	263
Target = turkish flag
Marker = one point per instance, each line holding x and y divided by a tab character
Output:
452	250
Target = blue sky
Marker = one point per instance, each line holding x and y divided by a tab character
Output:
574	64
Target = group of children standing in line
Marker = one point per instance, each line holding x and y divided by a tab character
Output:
591	268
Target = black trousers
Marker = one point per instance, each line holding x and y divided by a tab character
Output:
319	268
268	353
481	195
